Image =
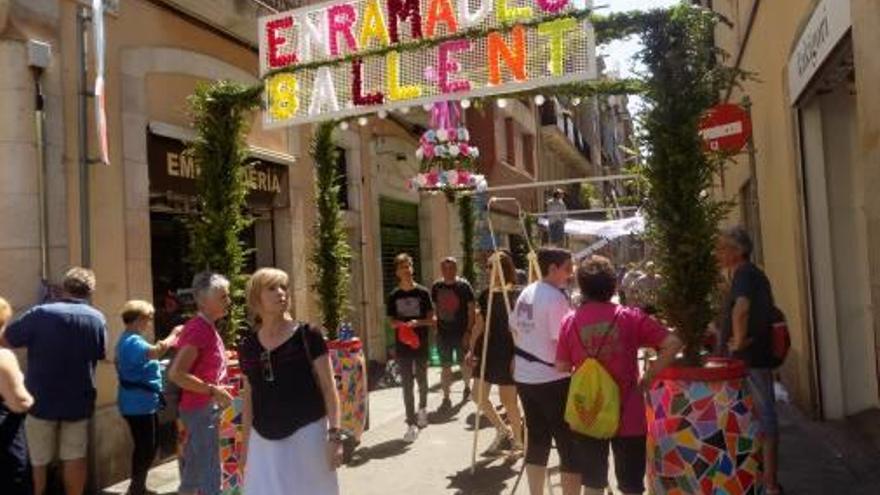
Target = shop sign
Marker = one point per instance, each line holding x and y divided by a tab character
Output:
726	128
172	169
344	58
830	22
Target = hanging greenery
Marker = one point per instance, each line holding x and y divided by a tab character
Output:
331	257
221	114
466	216
683	80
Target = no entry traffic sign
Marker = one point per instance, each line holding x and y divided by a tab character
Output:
726	127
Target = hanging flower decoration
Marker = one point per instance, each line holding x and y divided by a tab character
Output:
446	155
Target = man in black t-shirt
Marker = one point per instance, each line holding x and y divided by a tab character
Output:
409	305
746	335
454	299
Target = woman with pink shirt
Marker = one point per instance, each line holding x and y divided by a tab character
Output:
199	369
613	334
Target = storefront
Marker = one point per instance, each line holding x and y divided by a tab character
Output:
822	89
173	198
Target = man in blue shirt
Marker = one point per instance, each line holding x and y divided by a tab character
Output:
64	342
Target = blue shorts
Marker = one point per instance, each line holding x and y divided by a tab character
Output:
761	383
200	464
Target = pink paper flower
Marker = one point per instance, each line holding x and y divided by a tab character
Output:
428	151
464	177
432	178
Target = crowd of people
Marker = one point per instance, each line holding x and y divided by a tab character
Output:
291	421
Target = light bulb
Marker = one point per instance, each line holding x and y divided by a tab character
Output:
404	110
383	114
343	125
427	107
576	101
540	100
502	102
465	103
362	121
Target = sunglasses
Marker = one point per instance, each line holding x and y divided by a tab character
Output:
266	363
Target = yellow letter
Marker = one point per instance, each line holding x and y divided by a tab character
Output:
283	102
556	30
373	25
506	14
396	92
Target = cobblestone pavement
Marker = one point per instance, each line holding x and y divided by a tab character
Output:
817	458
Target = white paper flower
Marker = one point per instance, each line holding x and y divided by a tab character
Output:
420	153
453	150
442	135
452	176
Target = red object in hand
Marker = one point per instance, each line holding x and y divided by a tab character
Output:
407	334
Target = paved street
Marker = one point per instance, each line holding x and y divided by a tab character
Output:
817	458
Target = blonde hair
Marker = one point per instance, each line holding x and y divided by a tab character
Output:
136	309
264	277
5	312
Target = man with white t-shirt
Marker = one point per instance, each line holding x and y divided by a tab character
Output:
536	320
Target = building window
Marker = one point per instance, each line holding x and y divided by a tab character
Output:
529	153
509	142
751	218
342	174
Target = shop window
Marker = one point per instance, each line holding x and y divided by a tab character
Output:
342	174
509	142
751	218
529	153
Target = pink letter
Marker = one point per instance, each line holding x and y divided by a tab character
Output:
552	6
342	19
447	65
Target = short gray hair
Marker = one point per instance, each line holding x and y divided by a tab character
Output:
79	282
205	283
741	238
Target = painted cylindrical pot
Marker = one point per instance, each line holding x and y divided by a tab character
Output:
231	443
703	432
350	370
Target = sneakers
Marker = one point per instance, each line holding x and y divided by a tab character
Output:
503	441
422	420
412	433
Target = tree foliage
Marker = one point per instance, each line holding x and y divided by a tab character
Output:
466	217
221	114
331	257
683	80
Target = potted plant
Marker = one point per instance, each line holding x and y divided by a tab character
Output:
702	436
221	114
330	263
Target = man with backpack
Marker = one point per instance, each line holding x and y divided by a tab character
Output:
535	321
748	321
605	406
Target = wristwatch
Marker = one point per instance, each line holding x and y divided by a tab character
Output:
335	435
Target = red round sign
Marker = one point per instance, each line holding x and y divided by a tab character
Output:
726	127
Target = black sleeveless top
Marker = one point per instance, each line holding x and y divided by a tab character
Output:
286	397
15	474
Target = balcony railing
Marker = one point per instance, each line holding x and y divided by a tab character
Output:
552	113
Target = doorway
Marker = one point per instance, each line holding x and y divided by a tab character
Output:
837	241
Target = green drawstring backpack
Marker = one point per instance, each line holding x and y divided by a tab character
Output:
593	405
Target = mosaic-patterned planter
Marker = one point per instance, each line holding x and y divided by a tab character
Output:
350	370
703	432
230	433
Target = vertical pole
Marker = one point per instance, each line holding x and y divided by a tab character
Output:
82	20
753	190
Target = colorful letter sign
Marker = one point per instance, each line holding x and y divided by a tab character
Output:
344	58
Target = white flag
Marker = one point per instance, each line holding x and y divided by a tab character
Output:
100	89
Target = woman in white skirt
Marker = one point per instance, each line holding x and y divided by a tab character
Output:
291	409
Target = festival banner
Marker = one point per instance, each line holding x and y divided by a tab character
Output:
344	58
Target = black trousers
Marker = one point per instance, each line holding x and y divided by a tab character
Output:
143	432
414	369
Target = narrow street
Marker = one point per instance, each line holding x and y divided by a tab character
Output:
817	459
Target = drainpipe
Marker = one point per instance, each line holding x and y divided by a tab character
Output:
39	55
83	17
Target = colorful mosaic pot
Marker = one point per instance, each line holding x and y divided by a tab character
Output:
231	443
703	432
350	369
